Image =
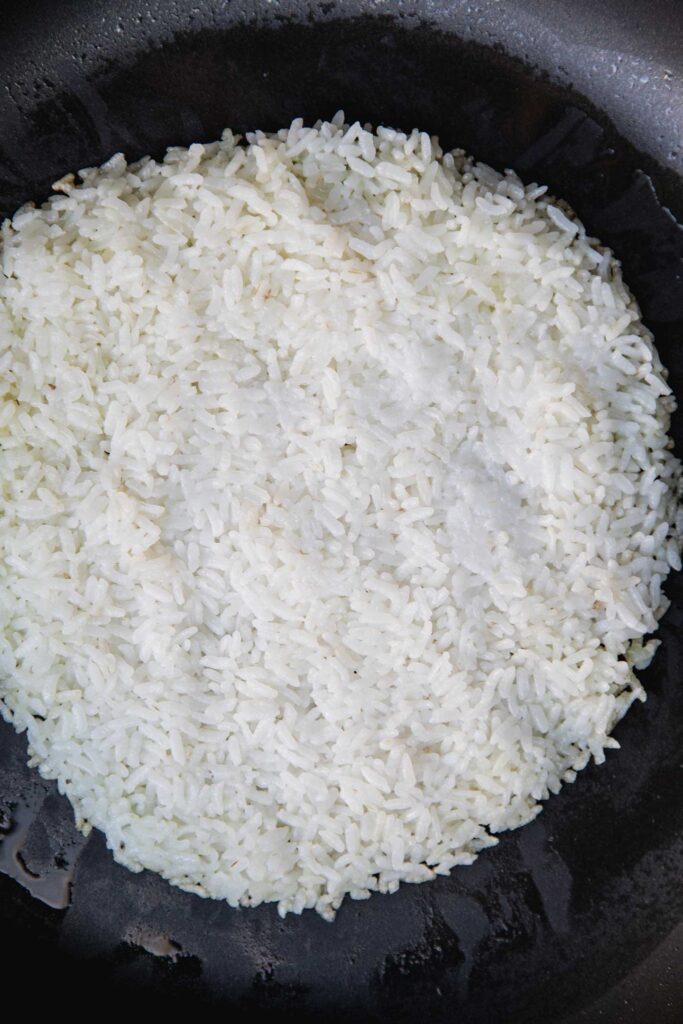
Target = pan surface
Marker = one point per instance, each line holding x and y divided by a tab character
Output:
540	927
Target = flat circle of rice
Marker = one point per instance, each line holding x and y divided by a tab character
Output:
336	501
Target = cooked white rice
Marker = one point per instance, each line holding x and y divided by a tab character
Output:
336	500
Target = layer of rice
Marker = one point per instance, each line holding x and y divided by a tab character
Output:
337	499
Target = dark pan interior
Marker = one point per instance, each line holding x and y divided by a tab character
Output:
561	910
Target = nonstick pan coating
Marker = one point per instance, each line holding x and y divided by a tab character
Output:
566	907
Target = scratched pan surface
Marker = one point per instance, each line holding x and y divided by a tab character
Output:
575	903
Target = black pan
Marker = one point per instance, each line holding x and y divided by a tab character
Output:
575	917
